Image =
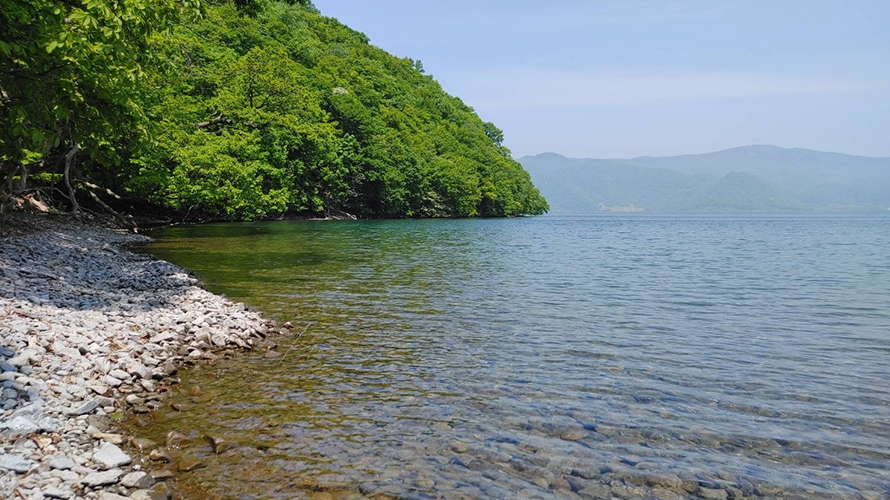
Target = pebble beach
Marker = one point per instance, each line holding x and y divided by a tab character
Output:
91	331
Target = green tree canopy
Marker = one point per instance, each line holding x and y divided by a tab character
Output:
253	108
285	110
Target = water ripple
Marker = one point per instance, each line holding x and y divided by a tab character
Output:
551	358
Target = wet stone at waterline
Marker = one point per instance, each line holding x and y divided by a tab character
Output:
545	358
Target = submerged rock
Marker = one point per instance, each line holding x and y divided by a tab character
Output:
190	463
219	444
159	455
142	444
713	494
162	474
182	406
138	479
175	439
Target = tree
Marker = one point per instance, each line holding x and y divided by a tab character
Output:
254	109
70	72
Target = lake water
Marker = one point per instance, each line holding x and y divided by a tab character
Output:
550	357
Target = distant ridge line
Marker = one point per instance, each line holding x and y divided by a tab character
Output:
736	148
745	179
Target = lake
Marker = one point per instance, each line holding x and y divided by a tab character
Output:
549	357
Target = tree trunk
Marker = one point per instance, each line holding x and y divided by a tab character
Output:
23	178
10	189
69	164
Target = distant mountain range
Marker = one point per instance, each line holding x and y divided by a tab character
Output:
748	179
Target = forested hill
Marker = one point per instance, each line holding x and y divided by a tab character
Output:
748	179
270	108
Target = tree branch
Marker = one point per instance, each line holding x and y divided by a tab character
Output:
214	121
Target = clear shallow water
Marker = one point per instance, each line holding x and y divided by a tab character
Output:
551	357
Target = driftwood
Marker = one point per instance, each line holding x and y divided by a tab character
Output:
294	343
99	188
126	221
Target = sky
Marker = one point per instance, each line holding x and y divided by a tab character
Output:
627	78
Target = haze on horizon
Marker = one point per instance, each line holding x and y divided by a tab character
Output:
629	78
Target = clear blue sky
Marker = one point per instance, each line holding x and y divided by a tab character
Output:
624	78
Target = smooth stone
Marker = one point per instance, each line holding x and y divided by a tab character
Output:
142	444
154	493
159	455
713	494
66	475
665	494
162	474
111	438
110	456
219	444
160	491
175	439
458	447
189	463
106	401
139	370
24	358
18	426
182	406
107	495
138	479
163	337
83	409
54	492
15	463
164	371
61	463
102	478
572	434
100	422
596	490
97	387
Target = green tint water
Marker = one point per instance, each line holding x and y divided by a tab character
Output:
573	357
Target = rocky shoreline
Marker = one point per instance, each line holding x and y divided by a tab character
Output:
89	332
